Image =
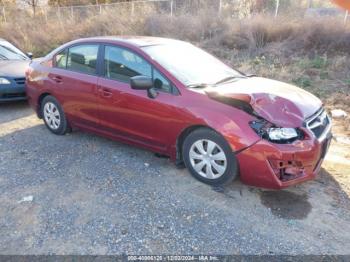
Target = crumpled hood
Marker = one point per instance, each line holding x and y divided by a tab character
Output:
280	103
13	68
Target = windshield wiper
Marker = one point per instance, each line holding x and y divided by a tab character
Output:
228	79
202	85
198	85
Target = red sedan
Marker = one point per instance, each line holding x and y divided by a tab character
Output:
173	98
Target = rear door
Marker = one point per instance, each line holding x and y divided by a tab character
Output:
75	79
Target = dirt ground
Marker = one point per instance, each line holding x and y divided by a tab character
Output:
82	194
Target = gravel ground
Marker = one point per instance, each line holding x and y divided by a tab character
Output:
91	195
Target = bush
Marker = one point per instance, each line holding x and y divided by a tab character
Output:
259	35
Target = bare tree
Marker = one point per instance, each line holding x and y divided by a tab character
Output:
309	3
33	4
277	7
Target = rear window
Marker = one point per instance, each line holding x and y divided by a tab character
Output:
83	58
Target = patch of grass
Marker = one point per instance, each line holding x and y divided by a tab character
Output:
303	63
318	62
258	60
302	81
324	75
347	83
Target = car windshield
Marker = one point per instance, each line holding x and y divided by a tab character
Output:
10	52
191	65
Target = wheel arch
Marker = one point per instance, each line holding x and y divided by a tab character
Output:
181	138
40	99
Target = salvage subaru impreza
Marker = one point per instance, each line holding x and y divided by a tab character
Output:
175	99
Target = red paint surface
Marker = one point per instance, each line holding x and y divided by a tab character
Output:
114	110
343	3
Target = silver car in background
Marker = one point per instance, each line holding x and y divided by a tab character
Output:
13	63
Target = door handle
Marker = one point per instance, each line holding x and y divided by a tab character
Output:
57	79
105	92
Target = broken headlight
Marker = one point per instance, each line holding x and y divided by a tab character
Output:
275	134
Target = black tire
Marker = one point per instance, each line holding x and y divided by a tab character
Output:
63	126
231	170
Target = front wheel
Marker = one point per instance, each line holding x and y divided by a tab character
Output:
209	157
54	117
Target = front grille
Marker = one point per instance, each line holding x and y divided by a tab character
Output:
20	81
318	123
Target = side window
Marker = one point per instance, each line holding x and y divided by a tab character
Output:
121	64
61	59
160	82
83	58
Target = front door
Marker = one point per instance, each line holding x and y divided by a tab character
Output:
131	114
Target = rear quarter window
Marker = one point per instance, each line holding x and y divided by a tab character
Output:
60	59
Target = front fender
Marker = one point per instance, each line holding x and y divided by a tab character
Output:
232	124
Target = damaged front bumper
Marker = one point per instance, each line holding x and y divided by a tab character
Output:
278	166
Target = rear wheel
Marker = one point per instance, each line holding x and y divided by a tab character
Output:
53	115
209	157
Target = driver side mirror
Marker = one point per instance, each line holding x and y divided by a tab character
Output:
143	83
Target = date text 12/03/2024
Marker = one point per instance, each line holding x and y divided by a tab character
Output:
173	258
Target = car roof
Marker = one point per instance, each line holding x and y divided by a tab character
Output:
131	41
138	41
